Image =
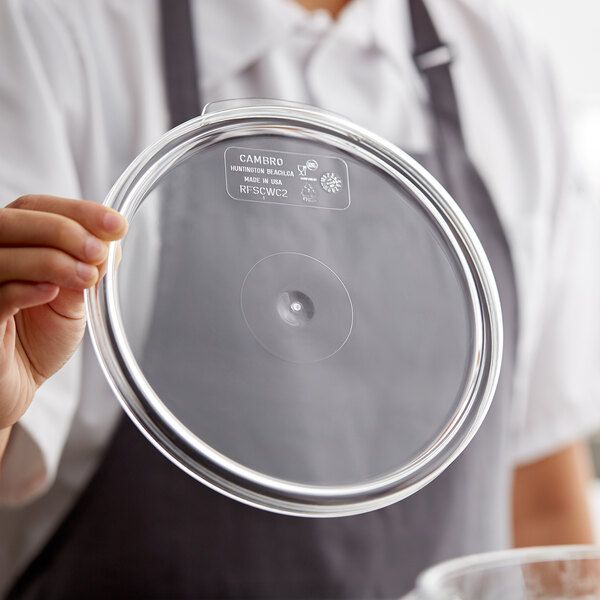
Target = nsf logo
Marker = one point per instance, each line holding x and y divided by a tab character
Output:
331	183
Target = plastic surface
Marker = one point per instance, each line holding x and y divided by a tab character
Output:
329	324
548	573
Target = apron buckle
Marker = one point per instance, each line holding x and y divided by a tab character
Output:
436	57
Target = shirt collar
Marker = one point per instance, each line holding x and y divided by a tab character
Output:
232	34
393	30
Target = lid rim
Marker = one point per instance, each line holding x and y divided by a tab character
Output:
206	464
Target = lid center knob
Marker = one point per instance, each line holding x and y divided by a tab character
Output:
295	308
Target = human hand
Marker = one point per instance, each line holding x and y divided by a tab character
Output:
51	249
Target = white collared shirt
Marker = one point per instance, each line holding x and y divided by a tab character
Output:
81	93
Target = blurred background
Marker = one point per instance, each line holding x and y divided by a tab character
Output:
569	34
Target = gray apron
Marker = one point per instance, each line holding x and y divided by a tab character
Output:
144	529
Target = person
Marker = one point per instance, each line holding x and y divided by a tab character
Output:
89	507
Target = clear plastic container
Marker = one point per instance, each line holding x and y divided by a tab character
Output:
548	573
332	332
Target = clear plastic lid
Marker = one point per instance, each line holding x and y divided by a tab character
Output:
302	317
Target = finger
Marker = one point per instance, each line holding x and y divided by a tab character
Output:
69	304
18	295
33	228
101	221
46	265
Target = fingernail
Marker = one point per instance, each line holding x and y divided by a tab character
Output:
85	271
114	222
94	248
46	287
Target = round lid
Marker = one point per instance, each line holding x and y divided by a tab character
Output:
302	317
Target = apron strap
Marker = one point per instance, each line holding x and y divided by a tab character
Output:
179	56
433	59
